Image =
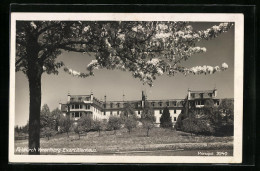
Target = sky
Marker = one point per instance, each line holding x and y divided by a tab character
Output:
115	83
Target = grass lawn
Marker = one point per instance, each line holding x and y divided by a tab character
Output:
107	142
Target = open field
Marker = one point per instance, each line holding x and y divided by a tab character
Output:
123	143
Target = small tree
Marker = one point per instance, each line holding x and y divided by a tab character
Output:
226	117
65	124
78	129
47	132
114	123
25	128
147	118
166	120
47	122
45	117
99	126
226	108
86	122
130	123
56	115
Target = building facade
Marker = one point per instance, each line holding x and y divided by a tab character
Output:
79	105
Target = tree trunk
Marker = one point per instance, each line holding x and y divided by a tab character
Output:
79	136
34	77
68	134
147	133
99	133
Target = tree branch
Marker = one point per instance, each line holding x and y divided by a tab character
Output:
46	28
18	61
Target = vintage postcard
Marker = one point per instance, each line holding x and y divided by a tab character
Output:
126	88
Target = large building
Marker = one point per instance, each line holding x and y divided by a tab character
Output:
79	105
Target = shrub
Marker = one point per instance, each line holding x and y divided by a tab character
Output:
114	123
78	129
65	124
86	122
166	120
130	123
147	118
99	126
47	132
198	126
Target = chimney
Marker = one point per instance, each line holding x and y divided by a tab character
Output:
188	93
68	97
91	96
215	92
60	105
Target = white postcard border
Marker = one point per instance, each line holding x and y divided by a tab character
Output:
198	17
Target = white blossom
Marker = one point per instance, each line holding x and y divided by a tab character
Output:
210	69
107	43
159	71
162	26
121	36
86	28
224	66
203	69
216	68
162	35
154	61
203	49
33	25
93	65
180	33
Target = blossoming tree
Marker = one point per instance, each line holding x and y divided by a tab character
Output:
146	49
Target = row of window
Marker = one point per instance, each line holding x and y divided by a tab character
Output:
111	105
79	114
175	111
79	106
76	114
201	95
174	103
201	102
80	99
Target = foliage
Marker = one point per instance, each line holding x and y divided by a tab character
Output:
198	126
226	109
210	119
130	123
166	120
47	122
128	117
147	118
45	117
56	114
128	111
133	46
86	123
25	128
99	126
47	132
226	117
78	129
114	123
65	124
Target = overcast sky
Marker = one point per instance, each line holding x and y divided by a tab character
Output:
114	83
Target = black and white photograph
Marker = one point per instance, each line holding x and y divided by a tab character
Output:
126	88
